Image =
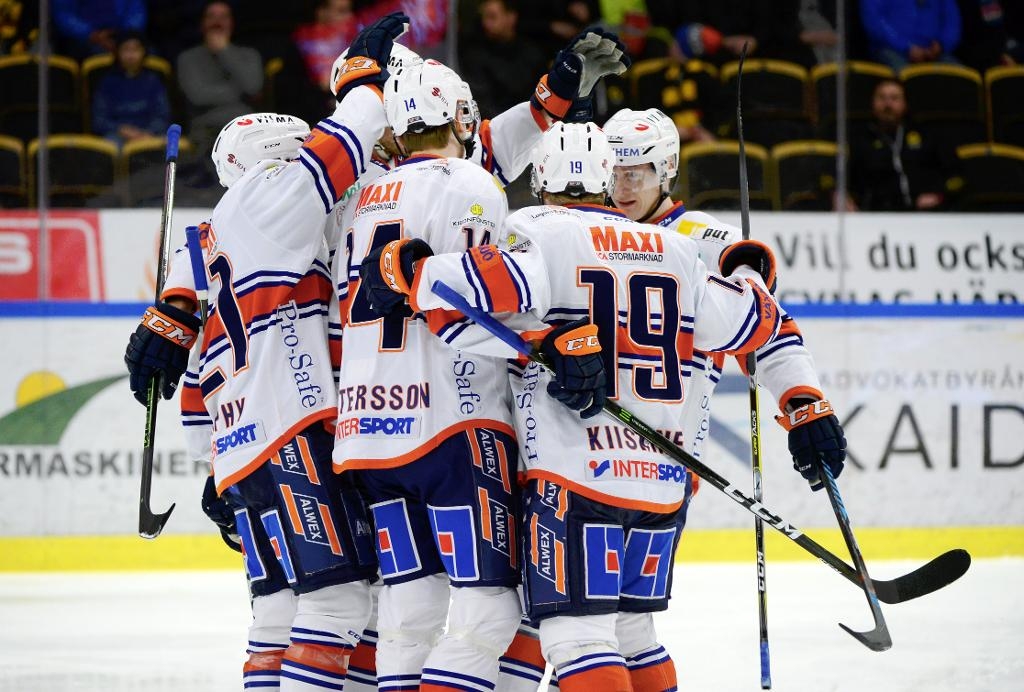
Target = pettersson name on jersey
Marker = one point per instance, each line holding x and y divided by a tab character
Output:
612	244
635	470
387	426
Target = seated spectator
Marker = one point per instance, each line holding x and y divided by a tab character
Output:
130	102
992	33
321	41
88	27
911	31
218	79
501	66
893	165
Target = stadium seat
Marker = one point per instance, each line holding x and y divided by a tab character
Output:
95	66
685	92
1004	97
946	100
802	175
19	85
861	78
81	167
13	185
142	169
709	175
993	177
774	102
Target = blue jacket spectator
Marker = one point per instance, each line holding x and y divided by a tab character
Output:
130	102
911	31
88	27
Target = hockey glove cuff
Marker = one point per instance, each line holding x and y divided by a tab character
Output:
369	53
574	353
815	439
160	345
755	255
388	271
221	513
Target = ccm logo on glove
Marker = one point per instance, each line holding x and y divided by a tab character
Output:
169	329
805	414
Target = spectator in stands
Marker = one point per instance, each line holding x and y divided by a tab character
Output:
218	79
174	26
993	33
130	102
893	165
88	27
321	41
501	66
911	31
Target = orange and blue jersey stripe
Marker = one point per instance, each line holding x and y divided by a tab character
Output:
498	283
333	156
488	161
760	324
193	408
666	219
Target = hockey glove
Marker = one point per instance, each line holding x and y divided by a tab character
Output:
755	255
160	346
387	272
815	440
574	353
565	91
369	53
221	514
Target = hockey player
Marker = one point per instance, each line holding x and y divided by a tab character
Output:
265	366
425	429
646	145
604	509
502	146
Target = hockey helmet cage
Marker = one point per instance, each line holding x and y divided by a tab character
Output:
255	137
649	136
400	57
428	94
573	159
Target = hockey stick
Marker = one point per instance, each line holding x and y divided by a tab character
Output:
754	402
932	576
877	639
195	256
150	524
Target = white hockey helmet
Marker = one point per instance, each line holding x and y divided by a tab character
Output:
429	94
400	57
649	136
572	158
255	137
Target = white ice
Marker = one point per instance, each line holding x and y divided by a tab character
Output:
163	632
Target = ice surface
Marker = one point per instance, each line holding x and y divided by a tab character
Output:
163	632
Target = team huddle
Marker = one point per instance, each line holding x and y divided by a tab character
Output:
418	506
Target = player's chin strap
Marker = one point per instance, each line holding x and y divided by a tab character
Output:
654	208
468	144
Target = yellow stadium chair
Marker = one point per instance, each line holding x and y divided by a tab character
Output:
1004	98
774	101
802	175
19	95
13	184
142	168
993	177
947	100
861	79
81	171
709	175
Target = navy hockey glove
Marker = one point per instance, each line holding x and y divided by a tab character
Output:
221	513
815	439
574	353
565	92
387	272
369	53
755	255
160	345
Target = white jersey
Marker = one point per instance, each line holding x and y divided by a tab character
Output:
784	365
265	367
654	303
402	392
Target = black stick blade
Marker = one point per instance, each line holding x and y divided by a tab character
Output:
930	577
877	639
150	524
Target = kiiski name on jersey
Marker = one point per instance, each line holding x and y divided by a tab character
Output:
635	470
